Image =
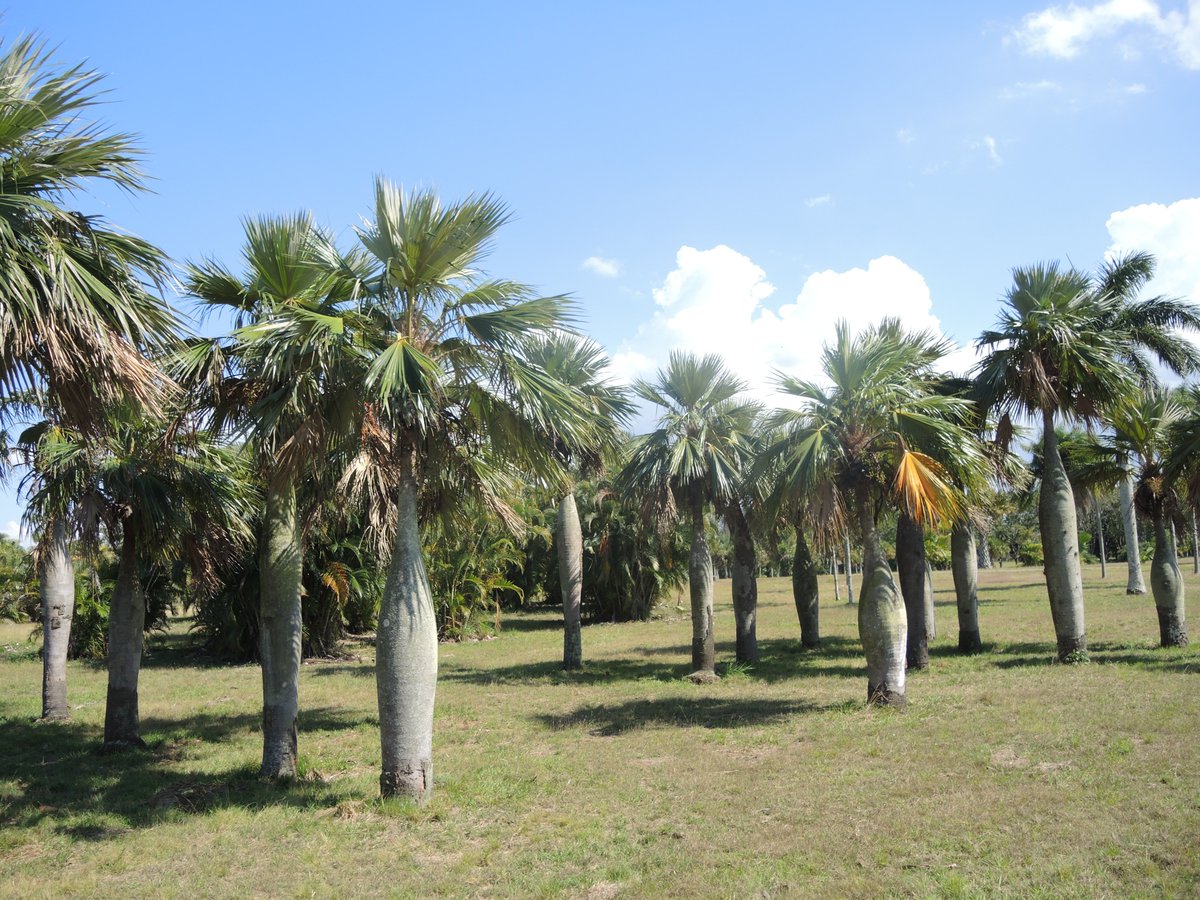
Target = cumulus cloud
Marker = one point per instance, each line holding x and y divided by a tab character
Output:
1062	31
605	268
718	301
1172	233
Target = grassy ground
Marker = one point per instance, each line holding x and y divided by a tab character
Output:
1009	776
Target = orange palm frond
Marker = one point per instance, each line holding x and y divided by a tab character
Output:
925	488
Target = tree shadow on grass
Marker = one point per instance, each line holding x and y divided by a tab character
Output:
779	660
1106	653
609	720
53	774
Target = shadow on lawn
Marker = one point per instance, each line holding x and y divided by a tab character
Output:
63	779
608	720
779	660
1012	656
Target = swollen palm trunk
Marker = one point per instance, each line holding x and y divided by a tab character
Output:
1166	582
58	606
1135	585
570	579
281	567
882	623
1060	545
966	587
745	585
983	552
700	587
910	561
804	591
126	628
406	661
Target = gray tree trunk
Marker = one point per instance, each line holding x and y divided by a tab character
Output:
1135	584
882	623
849	571
1166	582
700	587
406	657
1100	536
910	563
983	551
57	581
930	607
1195	545
281	570
805	593
570	580
1060	546
745	585
126	632
837	582
966	586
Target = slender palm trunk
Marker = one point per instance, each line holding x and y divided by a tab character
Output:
837	582
882	623
281	568
910	561
1100	536
966	586
1135	584
1060	546
57	580
1195	545
406	651
983	551
930	607
850	571
570	580
1166	582
805	593
126	630
700	587
745	584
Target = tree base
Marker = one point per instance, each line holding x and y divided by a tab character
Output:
703	676
969	642
1134	592
703	655
121	722
279	744
1172	628
884	695
1073	649
810	643
411	781
122	745
572	648
918	654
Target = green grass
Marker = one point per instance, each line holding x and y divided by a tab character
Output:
1010	775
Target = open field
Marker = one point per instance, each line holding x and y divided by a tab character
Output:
1009	776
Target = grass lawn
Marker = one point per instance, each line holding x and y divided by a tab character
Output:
1010	775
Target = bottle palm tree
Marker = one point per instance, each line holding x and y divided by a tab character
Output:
75	311
286	378
580	363
691	461
1070	346
874	434
457	400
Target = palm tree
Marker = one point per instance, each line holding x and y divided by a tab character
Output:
161	491
580	363
691	461
874	434
1067	345
75	311
457	400
290	386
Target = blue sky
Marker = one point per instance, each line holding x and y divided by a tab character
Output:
696	175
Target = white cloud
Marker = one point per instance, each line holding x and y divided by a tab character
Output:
823	200
13	530
906	135
988	144
1172	234
605	268
717	301
1023	89
1134	89
1062	31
